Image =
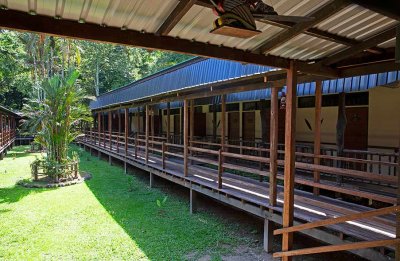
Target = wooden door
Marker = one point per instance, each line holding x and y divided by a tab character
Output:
248	127
356	134
156	125
233	126
200	124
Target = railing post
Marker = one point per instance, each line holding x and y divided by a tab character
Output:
136	144
220	169
163	154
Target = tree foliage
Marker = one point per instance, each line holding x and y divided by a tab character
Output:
27	60
55	116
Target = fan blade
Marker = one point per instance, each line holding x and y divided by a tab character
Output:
283	18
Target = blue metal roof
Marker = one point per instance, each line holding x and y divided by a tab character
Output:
189	74
201	71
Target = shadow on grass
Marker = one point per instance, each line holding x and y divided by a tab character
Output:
16	193
168	232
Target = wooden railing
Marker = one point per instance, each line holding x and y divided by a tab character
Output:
6	137
235	160
254	162
333	221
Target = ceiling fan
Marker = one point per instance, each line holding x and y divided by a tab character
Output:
236	18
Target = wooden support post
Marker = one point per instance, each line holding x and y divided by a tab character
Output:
138	120
98	127
119	129
182	125
126	132
147	133
289	171
104	131
191	118
268	235
340	131
274	121
223	116
168	121
317	132
185	137
151	179
110	131
152	126
193	201
397	246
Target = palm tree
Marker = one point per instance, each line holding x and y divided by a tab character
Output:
56	115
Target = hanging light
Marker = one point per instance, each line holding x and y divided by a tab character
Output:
283	101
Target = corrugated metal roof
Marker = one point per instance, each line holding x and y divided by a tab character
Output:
200	71
354	22
195	72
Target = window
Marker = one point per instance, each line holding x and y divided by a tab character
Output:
352	99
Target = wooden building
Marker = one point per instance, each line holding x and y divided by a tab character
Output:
339	198
8	125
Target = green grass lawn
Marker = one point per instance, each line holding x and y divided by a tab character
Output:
112	216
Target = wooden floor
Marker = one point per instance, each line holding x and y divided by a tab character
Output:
308	207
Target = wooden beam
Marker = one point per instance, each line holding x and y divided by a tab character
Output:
333	248
317	132
274	130
185	136
16	20
176	15
289	167
389	8
379	67
319	15
368	43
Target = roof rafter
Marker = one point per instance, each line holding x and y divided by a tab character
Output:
43	24
315	32
318	33
368	43
176	15
319	15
